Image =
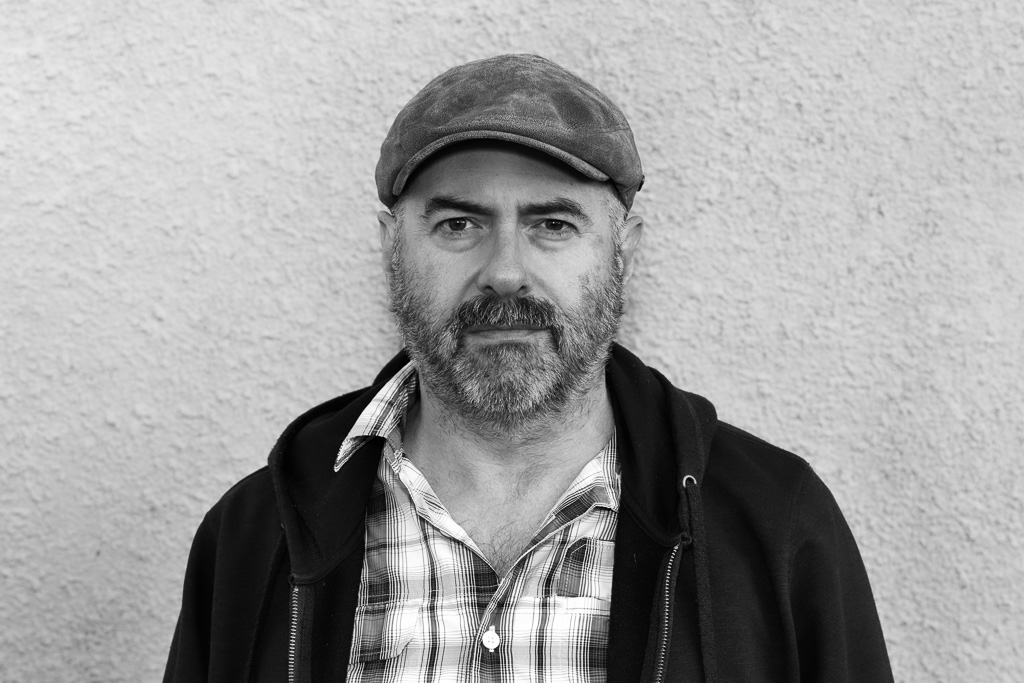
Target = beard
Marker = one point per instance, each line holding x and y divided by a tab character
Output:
508	385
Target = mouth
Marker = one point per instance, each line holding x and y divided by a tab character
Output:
503	333
504	328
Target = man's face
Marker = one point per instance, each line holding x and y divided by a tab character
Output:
506	273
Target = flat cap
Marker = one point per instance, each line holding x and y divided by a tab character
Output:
516	98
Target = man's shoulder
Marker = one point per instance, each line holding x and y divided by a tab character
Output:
255	492
747	472
738	444
755	470
249	500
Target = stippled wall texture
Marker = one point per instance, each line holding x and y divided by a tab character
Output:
834	256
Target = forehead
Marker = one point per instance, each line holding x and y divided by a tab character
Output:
503	172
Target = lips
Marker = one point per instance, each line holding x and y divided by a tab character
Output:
504	328
495	318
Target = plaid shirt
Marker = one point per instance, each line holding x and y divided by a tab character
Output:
430	607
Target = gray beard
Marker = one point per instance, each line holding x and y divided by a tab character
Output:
506	387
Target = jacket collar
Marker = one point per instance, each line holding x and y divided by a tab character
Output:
664	436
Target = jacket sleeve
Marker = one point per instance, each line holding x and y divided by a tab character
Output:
838	635
190	648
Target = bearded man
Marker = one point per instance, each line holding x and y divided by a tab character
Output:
518	498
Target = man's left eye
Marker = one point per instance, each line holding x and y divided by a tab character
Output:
555	226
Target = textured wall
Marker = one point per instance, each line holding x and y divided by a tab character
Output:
835	256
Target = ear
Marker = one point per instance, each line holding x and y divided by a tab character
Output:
388	224
632	231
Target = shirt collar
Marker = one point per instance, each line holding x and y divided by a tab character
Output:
383	414
599	481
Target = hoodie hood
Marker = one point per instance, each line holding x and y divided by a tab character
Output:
656	461
315	503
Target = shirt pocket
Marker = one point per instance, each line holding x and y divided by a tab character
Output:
575	637
584	579
383	631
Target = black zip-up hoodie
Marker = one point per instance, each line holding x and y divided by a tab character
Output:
732	560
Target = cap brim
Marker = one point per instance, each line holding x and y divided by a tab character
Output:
572	161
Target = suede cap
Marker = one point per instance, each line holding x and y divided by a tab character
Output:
523	99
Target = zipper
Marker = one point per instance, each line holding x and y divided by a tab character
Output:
659	671
293	636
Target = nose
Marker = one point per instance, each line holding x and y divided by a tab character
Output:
503	272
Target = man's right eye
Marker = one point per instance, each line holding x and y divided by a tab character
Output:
455	225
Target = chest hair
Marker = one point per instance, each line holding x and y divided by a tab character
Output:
502	538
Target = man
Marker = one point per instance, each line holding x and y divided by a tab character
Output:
516	498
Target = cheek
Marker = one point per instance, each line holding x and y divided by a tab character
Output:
565	280
438	287
451	278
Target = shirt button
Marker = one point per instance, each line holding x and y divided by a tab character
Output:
491	639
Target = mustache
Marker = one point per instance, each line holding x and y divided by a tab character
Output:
490	310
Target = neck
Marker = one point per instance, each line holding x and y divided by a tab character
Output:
563	440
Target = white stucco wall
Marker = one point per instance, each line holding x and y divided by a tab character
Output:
834	256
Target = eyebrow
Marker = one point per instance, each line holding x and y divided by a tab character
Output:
562	205
557	205
446	202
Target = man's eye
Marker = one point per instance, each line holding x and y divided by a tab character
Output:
555	227
455	224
